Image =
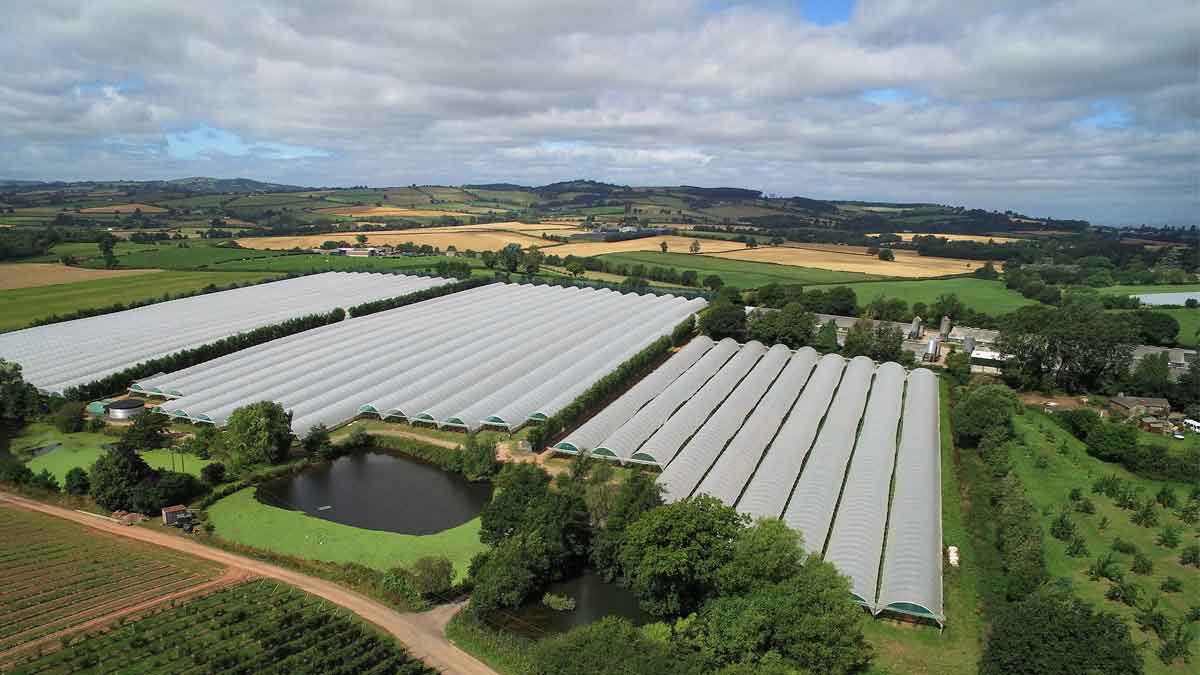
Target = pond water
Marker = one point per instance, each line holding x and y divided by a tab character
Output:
379	491
1178	298
594	600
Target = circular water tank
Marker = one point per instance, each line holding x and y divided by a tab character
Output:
125	408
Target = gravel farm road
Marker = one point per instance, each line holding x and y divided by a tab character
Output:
422	634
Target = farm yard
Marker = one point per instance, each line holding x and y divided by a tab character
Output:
60	578
908	264
30	275
259	626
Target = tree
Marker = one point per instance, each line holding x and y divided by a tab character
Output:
68	418
77	482
860	339
503	576
259	433
489	259
826	338
792	326
958	367
106	245
576	269
886	255
519	485
531	261
317	442
45	481
433	575
116	476
767	552
694	247
637	495
841	300
988	271
478	459
361	239
723	320
18	399
610	646
213	474
1054	632
713	282
1152	376
1111	442
147	432
509	257
984	409
672	554
689	278
663	245
174	487
1156	328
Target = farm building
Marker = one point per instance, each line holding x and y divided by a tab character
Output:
499	355
1125	407
171	514
59	356
815	440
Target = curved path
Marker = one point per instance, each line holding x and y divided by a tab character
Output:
422	634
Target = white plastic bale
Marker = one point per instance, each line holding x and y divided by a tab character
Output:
812	505
769	488
701	450
912	558
662	447
604	423
732	471
625	441
856	542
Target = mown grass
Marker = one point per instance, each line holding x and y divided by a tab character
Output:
170	256
981	295
1049	474
739	273
22	306
84	448
243	519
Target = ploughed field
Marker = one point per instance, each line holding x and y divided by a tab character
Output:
59	578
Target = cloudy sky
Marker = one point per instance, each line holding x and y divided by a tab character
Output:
1074	108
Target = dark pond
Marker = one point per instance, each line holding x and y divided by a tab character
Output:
378	491
594	600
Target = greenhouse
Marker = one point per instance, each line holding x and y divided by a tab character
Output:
59	356
492	356
816	441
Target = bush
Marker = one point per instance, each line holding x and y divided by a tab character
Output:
318	443
213	474
45	481
478	459
558	603
77	482
1142	564
1121	546
1063	528
1168	537
683	332
1190	555
1078	547
983	409
432	576
14	472
68	418
1146	515
1172	585
724	320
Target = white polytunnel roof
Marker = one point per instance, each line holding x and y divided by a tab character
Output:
596	429
856	542
700	452
816	441
912	559
662	446
59	356
815	497
629	437
769	488
460	359
728	477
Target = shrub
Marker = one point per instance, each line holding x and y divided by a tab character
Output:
14	472
1168	537
68	418
1078	547
1125	592
983	409
558	603
432	575
213	474
317	443
1063	528
77	482
1085	505
478	459
1121	546
1142	564
1172	585
1166	498
1146	515
1190	555
45	481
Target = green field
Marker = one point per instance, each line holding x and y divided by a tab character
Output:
1048	489
308	262
243	519
170	256
20	307
1151	288
981	295
84	448
739	273
257	627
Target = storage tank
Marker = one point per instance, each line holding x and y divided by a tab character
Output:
946	325
125	408
969	344
915	331
931	351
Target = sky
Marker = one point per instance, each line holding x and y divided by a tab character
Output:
1063	108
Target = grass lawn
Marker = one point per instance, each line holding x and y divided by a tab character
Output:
84	448
20	307
1149	288
1189	324
243	519
1048	489
921	650
740	273
981	295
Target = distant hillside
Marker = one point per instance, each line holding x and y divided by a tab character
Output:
232	185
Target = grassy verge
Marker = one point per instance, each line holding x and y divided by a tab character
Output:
980	295
20	307
504	652
242	519
84	448
1049	473
902	648
740	273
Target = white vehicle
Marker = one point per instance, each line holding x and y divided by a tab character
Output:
1192	426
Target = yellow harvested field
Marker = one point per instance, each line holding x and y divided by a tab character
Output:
124	208
908	236
380	211
674	245
28	275
491	240
908	264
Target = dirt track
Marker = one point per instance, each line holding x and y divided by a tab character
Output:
422	634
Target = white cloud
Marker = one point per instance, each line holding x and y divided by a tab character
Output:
991	106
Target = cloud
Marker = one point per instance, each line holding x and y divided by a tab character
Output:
1072	108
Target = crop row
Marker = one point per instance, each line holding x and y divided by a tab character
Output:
258	627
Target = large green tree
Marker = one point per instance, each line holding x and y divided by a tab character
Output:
147	432
1077	347
18	399
259	433
637	495
792	326
983	409
724	320
117	476
610	646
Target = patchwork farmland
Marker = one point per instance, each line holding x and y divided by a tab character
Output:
812	440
